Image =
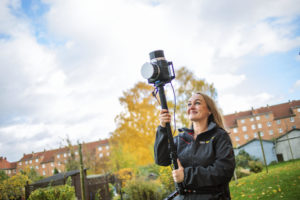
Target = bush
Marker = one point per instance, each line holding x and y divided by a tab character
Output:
255	166
241	172
140	189
62	192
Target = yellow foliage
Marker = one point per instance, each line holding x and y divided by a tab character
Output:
13	187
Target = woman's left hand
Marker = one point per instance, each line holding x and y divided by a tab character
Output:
178	174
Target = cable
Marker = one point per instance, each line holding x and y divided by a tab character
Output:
174	108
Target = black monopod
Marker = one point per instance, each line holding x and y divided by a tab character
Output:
159	72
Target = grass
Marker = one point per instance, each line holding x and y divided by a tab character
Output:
282	182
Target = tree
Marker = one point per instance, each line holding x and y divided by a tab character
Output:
55	171
31	173
3	175
135	133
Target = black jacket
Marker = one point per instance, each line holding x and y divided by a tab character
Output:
208	161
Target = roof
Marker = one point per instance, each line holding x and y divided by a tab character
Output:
253	140
279	111
295	129
57	177
48	156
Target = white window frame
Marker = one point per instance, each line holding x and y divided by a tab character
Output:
246	136
235	130
259	125
244	128
253	126
271	132
257	117
292	119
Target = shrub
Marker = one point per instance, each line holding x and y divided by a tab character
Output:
13	188
62	192
241	172
140	189
255	166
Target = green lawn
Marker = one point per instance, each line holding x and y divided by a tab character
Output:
282	182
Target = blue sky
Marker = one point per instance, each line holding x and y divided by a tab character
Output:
64	64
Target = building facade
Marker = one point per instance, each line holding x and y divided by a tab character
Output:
270	121
46	161
288	146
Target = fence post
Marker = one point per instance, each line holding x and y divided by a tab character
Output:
81	174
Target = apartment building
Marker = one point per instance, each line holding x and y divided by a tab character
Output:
271	121
46	161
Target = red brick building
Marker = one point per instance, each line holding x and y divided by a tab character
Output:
271	121
46	161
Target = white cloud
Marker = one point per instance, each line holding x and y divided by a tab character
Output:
225	81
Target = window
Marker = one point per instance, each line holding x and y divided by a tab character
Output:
235	130
20	163
65	155
37	167
292	119
253	127
44	173
261	134
259	125
271	132
293	127
267	116
101	155
278	121
255	135
30	161
26	162
107	147
100	148
43	165
37	160
237	138
251	119
280	130
59	164
244	128
58	156
298	109
257	117
52	164
242	121
246	136
107	153
269	124
76	152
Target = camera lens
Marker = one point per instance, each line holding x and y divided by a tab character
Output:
150	71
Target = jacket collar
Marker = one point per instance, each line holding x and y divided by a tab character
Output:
189	131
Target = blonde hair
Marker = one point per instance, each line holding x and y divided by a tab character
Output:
215	116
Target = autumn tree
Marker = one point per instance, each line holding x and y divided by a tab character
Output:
134	137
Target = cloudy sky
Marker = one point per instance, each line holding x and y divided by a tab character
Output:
65	63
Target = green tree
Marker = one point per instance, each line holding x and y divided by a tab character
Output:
3	175
55	171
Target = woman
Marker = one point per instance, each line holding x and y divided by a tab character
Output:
205	154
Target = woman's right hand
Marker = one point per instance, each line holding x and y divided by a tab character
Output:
164	117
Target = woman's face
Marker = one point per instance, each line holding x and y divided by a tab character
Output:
197	109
